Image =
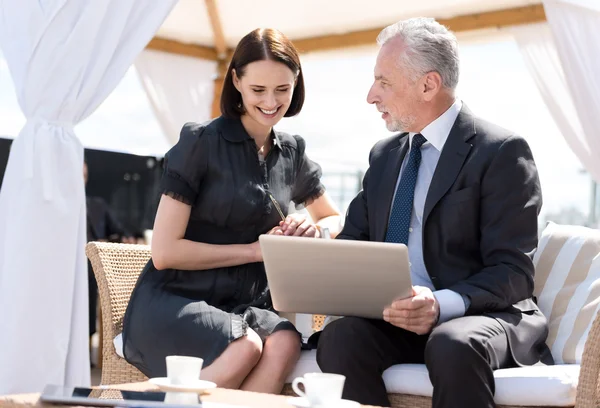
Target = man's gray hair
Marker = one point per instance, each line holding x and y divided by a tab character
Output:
429	47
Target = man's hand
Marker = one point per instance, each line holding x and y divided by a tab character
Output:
418	313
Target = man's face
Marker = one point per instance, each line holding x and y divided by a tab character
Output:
393	92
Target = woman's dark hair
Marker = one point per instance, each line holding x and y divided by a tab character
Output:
259	45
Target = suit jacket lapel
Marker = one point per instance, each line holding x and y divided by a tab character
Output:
451	160
388	185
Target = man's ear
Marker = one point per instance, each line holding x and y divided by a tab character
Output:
431	85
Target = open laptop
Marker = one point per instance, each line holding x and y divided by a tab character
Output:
335	277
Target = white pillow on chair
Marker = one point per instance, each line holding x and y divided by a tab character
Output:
567	286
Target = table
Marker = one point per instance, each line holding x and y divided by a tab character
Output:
233	397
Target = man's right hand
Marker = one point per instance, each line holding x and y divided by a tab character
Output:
418	313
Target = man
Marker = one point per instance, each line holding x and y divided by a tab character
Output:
464	195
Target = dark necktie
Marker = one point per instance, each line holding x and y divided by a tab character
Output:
403	201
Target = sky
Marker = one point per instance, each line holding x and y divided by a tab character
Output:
340	127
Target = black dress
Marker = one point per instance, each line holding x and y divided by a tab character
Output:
216	169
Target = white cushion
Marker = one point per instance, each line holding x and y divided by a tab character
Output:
118	343
554	386
567	286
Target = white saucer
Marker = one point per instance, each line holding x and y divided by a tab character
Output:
198	386
301	402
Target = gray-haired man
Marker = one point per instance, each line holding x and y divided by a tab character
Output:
464	196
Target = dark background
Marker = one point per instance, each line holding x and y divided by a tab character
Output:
128	183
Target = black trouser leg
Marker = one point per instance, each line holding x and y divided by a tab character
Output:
461	355
92	298
362	349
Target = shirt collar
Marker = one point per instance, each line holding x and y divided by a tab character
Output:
233	131
437	132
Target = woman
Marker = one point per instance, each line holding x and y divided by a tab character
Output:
204	292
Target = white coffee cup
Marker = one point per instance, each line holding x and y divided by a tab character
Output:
320	388
183	369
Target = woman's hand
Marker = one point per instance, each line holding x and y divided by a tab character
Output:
256	253
298	225
276	230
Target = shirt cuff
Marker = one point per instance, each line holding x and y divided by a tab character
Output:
452	305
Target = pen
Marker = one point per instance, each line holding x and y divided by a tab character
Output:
277	207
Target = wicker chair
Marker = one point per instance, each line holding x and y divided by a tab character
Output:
117	267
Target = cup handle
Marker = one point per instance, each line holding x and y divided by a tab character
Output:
295	386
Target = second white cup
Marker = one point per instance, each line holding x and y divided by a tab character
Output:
183	369
320	388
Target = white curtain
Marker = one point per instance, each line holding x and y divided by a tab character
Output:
563	57
65	57
179	88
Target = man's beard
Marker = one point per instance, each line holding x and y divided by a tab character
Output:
401	125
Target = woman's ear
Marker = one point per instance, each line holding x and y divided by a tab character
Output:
236	80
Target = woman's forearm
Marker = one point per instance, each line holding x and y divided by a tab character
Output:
189	255
333	223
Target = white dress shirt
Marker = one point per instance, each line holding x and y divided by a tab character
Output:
451	304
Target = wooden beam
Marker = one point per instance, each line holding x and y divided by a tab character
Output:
497	19
217	28
222	66
176	47
492	19
222	54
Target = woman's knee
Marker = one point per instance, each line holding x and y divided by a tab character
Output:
283	344
249	348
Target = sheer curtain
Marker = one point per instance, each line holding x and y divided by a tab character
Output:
563	57
65	57
179	88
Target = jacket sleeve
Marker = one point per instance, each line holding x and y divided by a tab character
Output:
511	199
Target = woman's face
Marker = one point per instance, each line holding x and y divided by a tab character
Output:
267	88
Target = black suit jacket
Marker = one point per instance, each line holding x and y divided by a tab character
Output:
479	224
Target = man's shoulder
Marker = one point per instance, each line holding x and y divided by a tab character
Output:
490	135
495	144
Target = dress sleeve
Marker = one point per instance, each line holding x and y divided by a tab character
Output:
308	185
185	164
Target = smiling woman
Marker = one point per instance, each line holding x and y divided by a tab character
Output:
264	82
204	293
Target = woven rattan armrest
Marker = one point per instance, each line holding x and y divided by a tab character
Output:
588	395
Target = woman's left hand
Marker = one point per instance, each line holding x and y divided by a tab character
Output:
298	225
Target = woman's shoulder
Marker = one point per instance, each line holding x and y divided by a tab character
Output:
295	142
200	129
